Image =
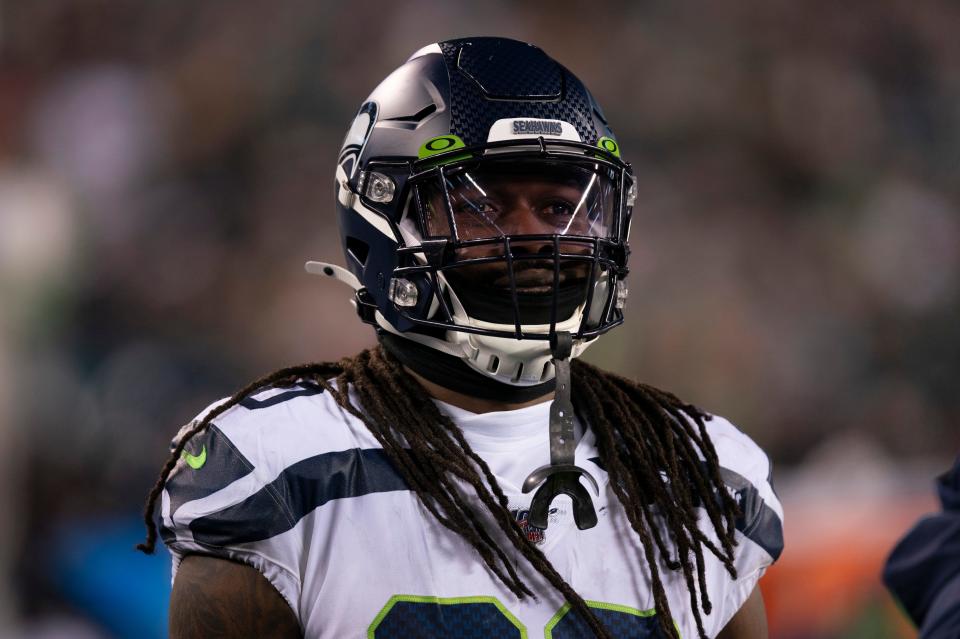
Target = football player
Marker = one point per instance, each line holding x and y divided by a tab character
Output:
469	477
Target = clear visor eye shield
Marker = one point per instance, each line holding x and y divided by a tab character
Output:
508	239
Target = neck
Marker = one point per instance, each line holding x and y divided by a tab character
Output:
470	403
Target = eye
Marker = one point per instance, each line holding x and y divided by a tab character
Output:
472	207
558	208
484	207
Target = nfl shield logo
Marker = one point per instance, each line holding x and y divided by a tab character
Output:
534	534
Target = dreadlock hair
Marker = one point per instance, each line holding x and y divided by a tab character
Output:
655	448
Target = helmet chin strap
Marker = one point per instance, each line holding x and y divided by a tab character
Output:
437	360
561	475
335	271
340	274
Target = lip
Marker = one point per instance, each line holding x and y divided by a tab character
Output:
532	290
537	281
531	278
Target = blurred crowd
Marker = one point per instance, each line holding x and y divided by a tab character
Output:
167	167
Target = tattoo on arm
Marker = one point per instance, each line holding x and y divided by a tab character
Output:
216	598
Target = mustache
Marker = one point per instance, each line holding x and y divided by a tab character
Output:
532	273
523	265
539	273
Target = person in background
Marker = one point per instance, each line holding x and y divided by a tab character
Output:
923	571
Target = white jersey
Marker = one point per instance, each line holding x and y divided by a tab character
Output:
291	484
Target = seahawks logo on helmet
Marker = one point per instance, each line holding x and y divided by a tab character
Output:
357	137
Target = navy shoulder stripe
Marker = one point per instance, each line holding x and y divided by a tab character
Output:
758	522
222	465
298	491
306	389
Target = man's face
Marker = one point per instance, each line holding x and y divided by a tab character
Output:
522	200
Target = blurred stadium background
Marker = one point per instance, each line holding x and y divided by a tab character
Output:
166	168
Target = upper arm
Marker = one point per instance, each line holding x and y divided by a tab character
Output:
750	622
219	598
223	505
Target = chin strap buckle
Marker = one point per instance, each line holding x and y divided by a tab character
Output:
561	475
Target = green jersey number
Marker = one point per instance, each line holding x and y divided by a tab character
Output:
409	616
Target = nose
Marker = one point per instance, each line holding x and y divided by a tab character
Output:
522	220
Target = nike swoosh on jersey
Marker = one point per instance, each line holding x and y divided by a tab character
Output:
196	462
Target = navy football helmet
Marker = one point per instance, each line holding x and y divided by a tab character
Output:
484	208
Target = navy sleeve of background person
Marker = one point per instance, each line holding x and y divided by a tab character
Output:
923	571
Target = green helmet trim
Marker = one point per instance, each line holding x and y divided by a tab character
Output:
609	145
440	144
